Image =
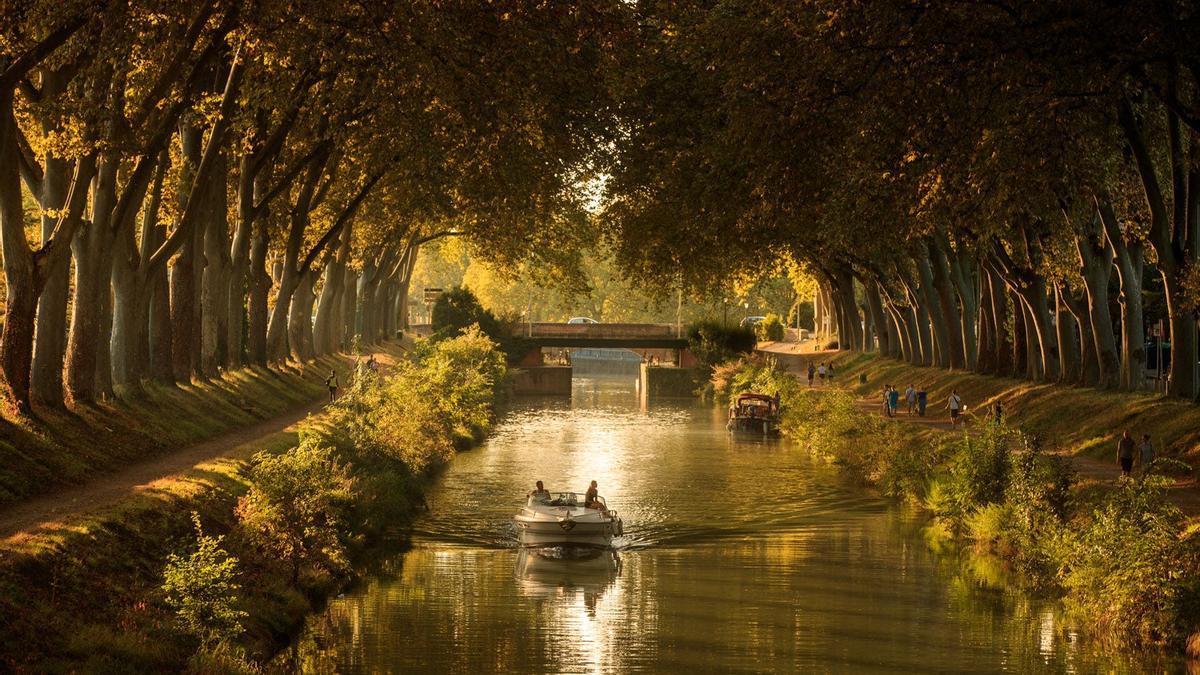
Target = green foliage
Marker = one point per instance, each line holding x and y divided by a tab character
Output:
802	311
770	329
418	415
713	343
1128	570
976	475
904	471
295	506
458	309
200	586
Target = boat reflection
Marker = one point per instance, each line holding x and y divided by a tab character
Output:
555	572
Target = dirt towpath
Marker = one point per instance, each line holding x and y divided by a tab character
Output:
57	508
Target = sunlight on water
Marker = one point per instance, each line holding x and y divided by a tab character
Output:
739	555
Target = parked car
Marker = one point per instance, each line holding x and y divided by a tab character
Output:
581	319
752	321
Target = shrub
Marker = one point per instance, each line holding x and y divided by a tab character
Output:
977	475
200	586
712	343
426	408
904	472
456	310
770	329
294	507
1129	572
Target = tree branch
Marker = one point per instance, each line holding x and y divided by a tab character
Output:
199	183
346	214
31	170
38	53
58	246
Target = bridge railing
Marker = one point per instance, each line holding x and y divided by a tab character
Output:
600	330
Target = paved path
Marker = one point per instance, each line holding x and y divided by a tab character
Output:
1184	492
48	511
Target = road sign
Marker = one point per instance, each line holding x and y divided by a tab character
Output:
432	295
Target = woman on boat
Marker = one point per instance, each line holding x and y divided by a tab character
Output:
591	500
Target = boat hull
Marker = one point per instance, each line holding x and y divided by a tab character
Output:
754	425
535	534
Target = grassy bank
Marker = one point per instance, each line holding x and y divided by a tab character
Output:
215	571
59	448
1122	556
1073	420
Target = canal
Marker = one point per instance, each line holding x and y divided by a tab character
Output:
738	555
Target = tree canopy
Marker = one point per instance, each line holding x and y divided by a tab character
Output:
192	186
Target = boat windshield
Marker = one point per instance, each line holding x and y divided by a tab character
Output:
562	499
565	499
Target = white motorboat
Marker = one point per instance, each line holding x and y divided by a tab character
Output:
564	521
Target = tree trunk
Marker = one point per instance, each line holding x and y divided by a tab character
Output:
1068	342
1183	338
92	271
1020	342
1002	319
50	347
256	305
966	285
1130	261
300	324
349	309
214	295
988	331
127	321
875	309
933	306
940	268
1174	234
186	268
20	312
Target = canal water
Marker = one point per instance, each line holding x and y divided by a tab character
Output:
739	555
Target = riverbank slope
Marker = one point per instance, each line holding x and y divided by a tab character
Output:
1072	420
58	449
80	592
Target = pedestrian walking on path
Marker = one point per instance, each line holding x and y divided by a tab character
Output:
955	404
829	372
887	409
910	398
332	383
893	400
922	401
997	414
812	372
1145	453
1125	453
821	370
